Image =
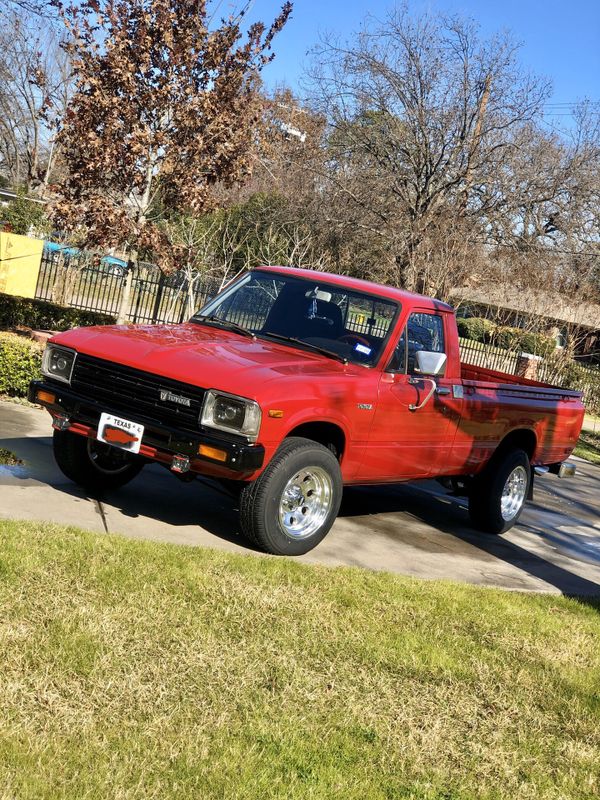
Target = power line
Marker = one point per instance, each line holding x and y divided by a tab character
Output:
538	249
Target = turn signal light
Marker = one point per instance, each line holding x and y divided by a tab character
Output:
212	452
45	397
275	413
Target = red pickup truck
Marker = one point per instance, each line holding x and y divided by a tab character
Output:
291	384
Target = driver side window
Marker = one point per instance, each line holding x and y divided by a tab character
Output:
423	331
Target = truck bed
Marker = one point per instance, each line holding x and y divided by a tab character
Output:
490	378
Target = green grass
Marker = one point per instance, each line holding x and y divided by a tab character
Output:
8	458
138	670
588	446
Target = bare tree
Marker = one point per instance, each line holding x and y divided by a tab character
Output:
34	87
38	7
421	112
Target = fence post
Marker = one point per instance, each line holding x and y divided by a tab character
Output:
527	366
138	299
158	298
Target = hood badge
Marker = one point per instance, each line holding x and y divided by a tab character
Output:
167	396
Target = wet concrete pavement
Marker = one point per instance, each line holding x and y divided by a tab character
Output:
412	529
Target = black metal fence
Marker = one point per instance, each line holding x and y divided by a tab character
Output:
81	281
556	371
78	280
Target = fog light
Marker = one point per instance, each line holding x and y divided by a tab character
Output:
180	464
45	397
212	452
60	423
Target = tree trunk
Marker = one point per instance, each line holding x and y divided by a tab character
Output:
123	314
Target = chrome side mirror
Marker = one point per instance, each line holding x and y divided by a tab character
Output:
430	363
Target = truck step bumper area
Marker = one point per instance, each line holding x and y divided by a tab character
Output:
567	469
564	469
175	448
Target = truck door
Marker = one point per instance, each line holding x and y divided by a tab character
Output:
405	443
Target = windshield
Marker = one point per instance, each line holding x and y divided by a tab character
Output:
348	324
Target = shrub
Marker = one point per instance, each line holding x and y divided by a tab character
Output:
43	315
478	329
20	362
538	344
527	342
24	215
572	375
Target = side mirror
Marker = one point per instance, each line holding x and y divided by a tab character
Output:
429	363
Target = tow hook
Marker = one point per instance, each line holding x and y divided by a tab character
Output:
60	422
180	464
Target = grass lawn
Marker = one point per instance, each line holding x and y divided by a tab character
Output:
8	458
588	446
138	670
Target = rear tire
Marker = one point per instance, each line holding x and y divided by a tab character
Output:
292	505
94	465
497	496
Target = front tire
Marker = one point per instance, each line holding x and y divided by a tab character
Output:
498	495
92	464
292	505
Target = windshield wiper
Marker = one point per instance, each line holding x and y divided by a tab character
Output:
292	340
224	323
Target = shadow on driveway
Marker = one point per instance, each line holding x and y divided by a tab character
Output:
557	532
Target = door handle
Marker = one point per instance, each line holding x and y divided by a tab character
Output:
442	390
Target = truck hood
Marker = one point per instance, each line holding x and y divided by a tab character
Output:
204	356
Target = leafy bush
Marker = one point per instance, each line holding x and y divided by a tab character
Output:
527	342
40	314
478	329
24	215
538	344
572	375
20	362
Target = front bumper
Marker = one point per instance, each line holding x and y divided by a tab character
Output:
160	442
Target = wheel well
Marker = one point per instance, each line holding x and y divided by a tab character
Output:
326	433
522	439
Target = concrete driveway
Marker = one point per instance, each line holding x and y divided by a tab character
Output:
410	529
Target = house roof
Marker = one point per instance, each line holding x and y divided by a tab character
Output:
551	305
7	196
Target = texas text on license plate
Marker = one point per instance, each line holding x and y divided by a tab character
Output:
120	432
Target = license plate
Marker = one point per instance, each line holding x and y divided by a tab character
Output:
120	432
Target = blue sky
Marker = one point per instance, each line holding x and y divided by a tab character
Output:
561	38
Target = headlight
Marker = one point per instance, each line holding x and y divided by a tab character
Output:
227	412
58	363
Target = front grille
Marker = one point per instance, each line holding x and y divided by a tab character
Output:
136	393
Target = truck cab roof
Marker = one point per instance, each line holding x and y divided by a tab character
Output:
389	292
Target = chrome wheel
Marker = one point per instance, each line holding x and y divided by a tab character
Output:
513	494
305	502
107	459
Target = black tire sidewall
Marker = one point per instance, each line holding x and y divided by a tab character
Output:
486	493
71	455
260	507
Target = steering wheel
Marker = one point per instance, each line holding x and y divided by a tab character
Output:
354	338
